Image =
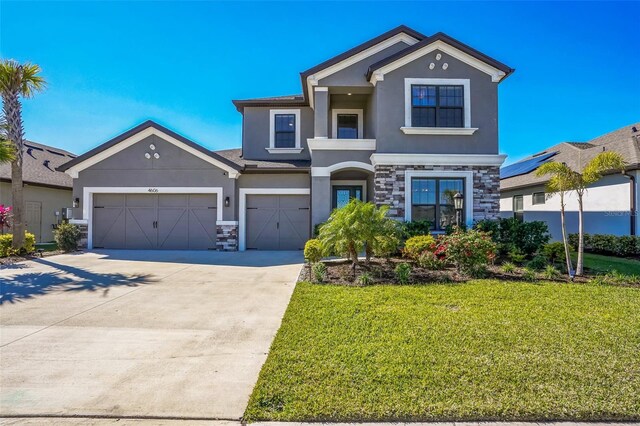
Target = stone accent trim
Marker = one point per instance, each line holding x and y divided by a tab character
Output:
389	188
84	235
227	237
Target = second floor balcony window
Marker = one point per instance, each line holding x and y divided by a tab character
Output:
437	106
285	131
348	126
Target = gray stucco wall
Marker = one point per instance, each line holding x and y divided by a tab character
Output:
354	75
255	133
326	158
390	110
174	168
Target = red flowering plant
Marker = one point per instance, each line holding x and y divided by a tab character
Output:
470	251
5	217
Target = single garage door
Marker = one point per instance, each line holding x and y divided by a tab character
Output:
277	222
154	221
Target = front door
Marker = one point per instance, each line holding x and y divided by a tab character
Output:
344	193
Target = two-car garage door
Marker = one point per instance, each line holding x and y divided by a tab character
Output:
154	221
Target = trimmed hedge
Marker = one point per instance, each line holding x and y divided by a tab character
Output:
5	244
613	245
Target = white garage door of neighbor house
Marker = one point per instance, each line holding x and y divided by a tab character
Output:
154	221
277	222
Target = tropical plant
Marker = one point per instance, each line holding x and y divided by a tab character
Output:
403	272
417	245
429	260
470	251
67	237
358	226
508	268
538	263
415	228
313	251
554	252
319	272
550	272
365	279
5	217
528	274
6	248
561	181
511	234
16	81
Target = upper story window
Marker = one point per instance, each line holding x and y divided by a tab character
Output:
347	123
284	131
437	106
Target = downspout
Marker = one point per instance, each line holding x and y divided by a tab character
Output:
632	202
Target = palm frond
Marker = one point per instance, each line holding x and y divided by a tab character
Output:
7	151
604	162
23	79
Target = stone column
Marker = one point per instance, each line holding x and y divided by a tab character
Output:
227	236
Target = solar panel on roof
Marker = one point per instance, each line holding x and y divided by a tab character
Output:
525	166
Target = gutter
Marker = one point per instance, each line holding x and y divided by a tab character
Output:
632	203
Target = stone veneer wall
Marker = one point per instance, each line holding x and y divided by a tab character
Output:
227	237
84	234
390	190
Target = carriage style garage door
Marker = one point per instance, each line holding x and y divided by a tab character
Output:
277	222
154	221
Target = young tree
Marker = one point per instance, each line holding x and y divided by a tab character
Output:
590	174
17	80
560	182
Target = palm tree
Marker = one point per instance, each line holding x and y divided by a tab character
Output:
590	174
17	80
6	147
561	181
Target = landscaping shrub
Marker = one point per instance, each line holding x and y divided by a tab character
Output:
538	263
415	228
470	252
319	272
528	274
517	256
313	250
429	260
386	246
403	273
67	237
365	279
554	252
508	268
610	245
417	245
316	229
616	278
5	244
5	217
550	272
511	234
358	226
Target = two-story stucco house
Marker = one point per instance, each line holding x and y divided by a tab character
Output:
405	120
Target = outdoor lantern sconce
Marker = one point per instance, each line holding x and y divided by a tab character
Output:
76	202
458	201
226	201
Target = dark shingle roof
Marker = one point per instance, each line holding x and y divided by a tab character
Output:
235	155
289	100
575	154
39	166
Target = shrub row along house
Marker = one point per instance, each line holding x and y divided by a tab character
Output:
405	120
610	204
47	192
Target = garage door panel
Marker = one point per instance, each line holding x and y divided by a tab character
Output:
173	200
262	229
141	200
173	232
139	230
202	228
108	200
277	222
108	228
294	228
262	201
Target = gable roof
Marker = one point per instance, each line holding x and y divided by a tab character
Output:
624	141
235	155
109	148
39	166
444	38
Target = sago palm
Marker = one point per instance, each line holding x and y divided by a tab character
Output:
560	182
16	81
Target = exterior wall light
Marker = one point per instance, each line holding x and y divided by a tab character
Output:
76	202
226	201
458	201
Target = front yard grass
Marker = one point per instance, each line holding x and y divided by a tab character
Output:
599	264
482	350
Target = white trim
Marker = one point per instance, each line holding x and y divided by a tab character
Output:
465	82
439	131
321	89
243	192
313	79
226	222
438	159
326	171
149	131
468	190
272	128
341	144
496	74
284	150
78	221
362	183
88	191
334	121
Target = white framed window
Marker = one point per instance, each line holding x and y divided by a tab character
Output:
437	106
284	131
347	124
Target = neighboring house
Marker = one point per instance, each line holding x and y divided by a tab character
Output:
46	191
405	120
610	205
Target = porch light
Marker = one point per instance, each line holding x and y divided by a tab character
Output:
226	201
76	202
458	201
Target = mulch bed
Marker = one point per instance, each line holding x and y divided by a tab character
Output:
9	260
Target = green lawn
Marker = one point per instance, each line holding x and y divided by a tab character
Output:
600	263
476	351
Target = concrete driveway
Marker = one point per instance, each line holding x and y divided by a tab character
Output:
138	333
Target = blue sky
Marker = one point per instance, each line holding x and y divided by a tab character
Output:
112	65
